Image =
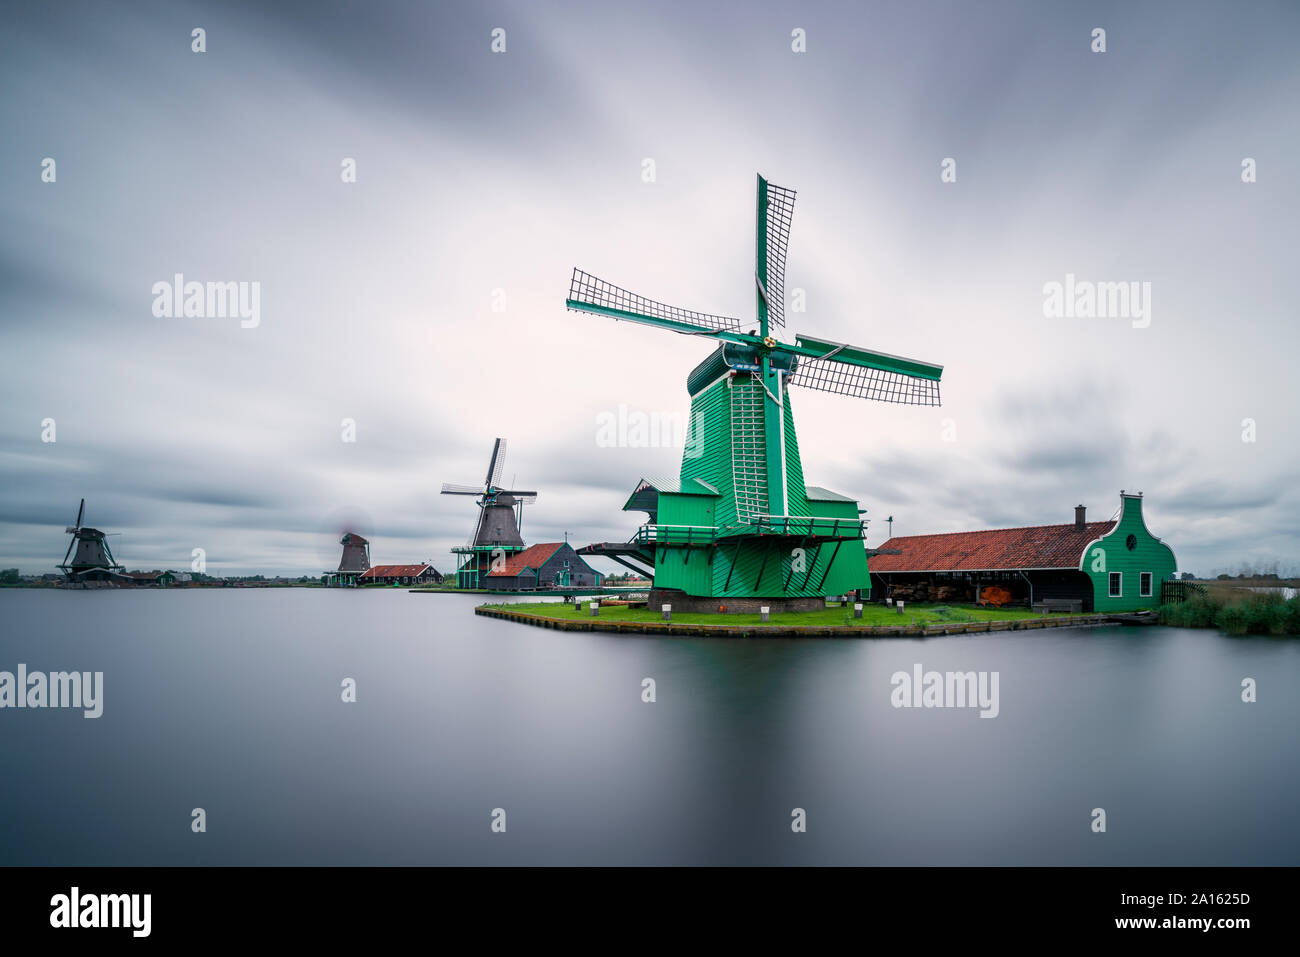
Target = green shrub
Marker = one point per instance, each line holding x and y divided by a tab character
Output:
1291	616
1263	613
1198	612
1244	613
1233	620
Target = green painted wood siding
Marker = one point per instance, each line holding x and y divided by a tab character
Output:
684	568
680	509
1111	553
798	503
707	455
767	567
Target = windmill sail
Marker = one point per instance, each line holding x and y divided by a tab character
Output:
589	294
519	495
776	209
866	374
497	463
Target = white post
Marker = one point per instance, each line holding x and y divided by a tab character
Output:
857	609
764	612
898	606
595	609
668	612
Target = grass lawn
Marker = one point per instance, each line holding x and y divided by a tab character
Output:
872	614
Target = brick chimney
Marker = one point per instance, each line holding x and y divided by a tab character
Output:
1080	517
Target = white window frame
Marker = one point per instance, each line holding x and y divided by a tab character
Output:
1150	586
1110	589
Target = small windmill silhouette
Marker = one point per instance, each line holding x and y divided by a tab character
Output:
93	559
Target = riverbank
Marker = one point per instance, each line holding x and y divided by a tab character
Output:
441	590
832	622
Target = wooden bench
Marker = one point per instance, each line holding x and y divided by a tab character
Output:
1074	605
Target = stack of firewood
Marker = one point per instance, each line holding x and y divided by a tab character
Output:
952	593
926	591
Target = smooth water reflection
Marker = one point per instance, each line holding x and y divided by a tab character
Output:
230	701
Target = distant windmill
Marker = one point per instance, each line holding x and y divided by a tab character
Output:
354	562
93	560
356	553
500	517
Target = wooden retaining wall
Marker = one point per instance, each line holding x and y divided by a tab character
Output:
791	631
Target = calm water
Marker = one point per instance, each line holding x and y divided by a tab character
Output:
230	701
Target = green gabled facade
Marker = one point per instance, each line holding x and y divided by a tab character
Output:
1128	563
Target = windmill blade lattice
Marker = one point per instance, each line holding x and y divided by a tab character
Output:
497	464
780	210
864	382
587	293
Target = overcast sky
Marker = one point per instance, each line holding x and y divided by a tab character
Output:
483	178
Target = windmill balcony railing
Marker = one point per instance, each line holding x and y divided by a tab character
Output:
676	535
842	529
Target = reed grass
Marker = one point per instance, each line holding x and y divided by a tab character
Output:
1237	611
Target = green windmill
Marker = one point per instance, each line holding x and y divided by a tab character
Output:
740	522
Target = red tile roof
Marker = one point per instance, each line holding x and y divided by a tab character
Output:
395	571
1035	546
534	557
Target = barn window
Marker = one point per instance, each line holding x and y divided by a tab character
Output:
1116	584
1144	585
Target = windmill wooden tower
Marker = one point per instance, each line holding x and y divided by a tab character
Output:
93	559
497	532
739	522
353	563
